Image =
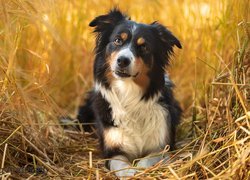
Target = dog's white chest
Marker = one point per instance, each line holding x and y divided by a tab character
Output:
141	125
143	129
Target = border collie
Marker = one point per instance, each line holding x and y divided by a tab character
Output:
132	102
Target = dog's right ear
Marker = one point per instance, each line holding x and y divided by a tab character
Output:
108	20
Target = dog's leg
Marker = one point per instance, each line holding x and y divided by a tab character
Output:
151	160
121	166
86	114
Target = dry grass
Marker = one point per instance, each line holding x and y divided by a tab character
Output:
46	66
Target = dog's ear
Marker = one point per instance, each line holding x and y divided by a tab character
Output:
108	20
166	36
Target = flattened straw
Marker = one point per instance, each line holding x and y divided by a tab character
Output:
228	84
243	117
244	129
235	145
97	174
173	172
39	151
5	176
4	155
10	135
189	175
90	159
206	168
44	164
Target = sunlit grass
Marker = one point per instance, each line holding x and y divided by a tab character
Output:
46	56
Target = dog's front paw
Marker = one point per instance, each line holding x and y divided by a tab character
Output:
126	173
150	161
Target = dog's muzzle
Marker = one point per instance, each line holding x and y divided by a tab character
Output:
122	67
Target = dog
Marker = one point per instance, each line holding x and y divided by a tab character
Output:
132	102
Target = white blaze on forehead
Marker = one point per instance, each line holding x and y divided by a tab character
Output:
134	27
126	52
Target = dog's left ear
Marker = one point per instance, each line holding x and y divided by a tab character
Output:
107	21
166	36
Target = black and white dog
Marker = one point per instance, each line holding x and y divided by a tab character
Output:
132	102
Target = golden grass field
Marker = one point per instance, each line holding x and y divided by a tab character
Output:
46	57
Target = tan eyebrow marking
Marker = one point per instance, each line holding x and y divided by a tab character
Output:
140	41
124	36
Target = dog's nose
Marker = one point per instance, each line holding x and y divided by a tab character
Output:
123	62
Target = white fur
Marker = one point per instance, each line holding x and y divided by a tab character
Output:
134	28
127	53
121	166
142	125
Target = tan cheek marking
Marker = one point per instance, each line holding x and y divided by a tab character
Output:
142	79
112	58
140	41
110	77
124	36
113	137
110	61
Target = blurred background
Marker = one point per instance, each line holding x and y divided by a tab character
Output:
46	58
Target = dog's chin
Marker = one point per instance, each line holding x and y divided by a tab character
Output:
119	74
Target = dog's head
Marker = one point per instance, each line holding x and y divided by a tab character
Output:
127	49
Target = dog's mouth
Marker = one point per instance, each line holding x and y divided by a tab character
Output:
124	74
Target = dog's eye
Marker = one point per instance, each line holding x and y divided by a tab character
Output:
118	41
